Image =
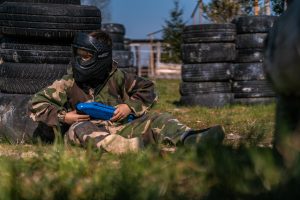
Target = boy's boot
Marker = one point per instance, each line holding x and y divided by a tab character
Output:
213	135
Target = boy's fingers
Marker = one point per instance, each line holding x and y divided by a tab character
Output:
116	116
116	111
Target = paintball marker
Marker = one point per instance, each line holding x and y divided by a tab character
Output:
99	111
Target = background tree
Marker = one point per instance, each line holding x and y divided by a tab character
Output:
222	11
279	5
172	31
247	6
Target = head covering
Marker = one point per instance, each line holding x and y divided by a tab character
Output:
95	70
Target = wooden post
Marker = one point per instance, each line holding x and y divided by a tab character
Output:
151	63
200	11
256	7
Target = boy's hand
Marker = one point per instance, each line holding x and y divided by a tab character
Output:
72	117
121	112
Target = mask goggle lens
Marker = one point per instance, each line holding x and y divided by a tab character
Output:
83	57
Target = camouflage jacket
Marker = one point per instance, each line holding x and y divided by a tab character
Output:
120	87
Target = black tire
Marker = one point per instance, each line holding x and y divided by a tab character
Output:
32	71
123	58
35	53
208	100
206	72
34	20
113	28
15	125
209	37
249	55
248	72
252	101
254	40
17	58
190	88
23	86
208	52
118	46
31	44
36	57
255	24
76	2
51	19
117	38
210	28
245	89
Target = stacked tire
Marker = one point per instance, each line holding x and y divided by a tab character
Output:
207	53
36	50
121	54
249	81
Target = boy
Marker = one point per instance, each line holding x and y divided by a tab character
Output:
96	78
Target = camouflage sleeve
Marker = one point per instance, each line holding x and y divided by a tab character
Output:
46	104
141	94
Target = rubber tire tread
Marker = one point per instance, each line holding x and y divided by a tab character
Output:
208	52
114	28
47	25
57	28
190	88
76	2
206	72
49	10
250	55
49	57
32	71
34	59
253	40
209	37
248	72
208	100
123	58
17	44
23	86
45	33
18	127
255	24
117	38
118	46
35	53
209	27
254	101
258	88
49	19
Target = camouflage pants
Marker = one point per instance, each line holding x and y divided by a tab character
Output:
151	128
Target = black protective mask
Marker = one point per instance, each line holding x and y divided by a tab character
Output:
95	70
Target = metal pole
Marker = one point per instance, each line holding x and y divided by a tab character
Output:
267	7
200	11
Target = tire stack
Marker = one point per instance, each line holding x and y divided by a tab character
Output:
36	50
207	53
121	54
249	80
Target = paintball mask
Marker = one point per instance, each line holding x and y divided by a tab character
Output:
92	60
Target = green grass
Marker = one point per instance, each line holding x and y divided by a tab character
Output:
239	171
243	124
